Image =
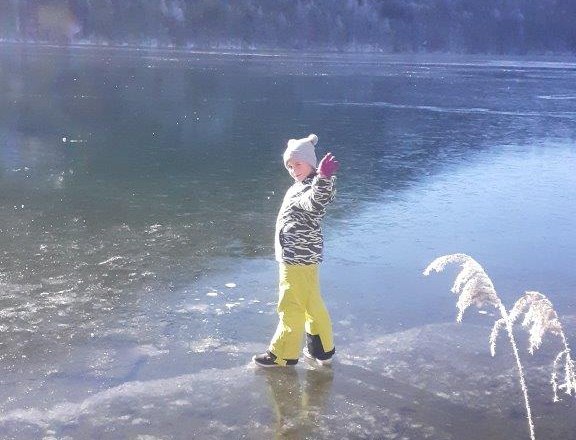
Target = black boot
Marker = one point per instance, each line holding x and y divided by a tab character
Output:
268	359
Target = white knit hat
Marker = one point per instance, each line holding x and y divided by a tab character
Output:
302	149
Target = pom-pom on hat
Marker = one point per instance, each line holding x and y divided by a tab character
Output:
302	149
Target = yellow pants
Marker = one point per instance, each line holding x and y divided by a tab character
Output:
300	307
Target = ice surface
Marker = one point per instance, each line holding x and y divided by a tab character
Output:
137	275
370	391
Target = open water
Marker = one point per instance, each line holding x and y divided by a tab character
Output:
138	194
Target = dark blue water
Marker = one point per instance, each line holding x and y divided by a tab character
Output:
138	194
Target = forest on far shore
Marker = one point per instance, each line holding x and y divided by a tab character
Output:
461	26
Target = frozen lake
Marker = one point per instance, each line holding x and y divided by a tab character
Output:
138	194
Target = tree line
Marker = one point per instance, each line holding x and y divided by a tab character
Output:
463	26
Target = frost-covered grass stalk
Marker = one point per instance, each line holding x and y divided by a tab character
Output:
540	317
474	287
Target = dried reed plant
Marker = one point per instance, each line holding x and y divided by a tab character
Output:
474	287
541	318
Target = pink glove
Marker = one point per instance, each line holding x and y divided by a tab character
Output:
328	166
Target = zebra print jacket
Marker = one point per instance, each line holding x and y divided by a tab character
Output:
298	231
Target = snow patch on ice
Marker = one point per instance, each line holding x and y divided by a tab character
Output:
204	345
557	97
230	306
110	260
471	110
200	308
154	228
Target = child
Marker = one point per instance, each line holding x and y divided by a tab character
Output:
298	247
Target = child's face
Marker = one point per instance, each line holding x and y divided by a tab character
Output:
299	170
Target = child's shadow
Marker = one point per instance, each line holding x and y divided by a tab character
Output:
298	403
